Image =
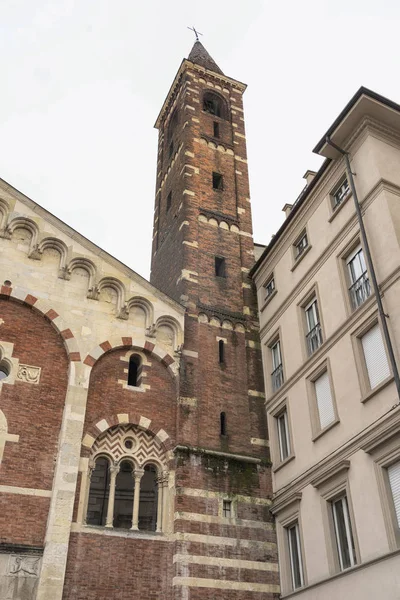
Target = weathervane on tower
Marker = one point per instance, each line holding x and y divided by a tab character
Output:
196	33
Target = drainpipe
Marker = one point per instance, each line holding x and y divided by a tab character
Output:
382	314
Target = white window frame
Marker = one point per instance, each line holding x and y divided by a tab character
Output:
348	532
312	306
301	244
395	492
367	359
355	303
338	196
297	549
270	287
283	436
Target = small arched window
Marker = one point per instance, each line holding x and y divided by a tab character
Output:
148	499
98	493
124	491
222	422
134	370
214	104
172	125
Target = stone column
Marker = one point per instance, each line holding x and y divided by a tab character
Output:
165	481
114	470
160	493
87	491
137	474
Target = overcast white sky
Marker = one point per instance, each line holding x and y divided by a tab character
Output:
82	83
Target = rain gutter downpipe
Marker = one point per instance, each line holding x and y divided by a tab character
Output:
383	316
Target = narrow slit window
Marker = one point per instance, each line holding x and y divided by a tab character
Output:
220	266
171	149
169	201
134	371
227	508
221	351
216	129
222	421
217	181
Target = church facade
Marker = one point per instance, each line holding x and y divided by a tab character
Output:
134	456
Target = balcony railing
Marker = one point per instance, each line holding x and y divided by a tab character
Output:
360	291
314	339
277	378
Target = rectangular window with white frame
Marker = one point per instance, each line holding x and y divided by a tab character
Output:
325	404
282	424
340	194
394	481
277	367
360	288
375	357
300	245
269	287
343	533
314	331
296	565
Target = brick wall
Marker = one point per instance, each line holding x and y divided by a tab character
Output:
33	412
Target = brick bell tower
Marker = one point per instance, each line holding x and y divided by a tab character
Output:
202	253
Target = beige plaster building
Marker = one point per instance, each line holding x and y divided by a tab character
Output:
331	399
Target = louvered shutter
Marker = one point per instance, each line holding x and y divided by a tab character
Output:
375	356
324	400
394	479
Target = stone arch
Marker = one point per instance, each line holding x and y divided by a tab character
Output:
171	324
141	343
117	286
56	244
28	225
45	309
83	263
4	212
145	305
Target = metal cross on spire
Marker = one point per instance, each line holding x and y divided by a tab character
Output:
196	33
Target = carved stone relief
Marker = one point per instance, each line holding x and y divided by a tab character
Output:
28	374
19	576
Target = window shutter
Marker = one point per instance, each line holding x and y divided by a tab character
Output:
324	400
394	479
375	356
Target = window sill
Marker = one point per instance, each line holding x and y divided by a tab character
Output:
327	428
110	531
339	208
348	571
134	388
371	393
283	463
268	300
300	258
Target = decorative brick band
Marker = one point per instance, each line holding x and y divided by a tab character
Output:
45	309
111	420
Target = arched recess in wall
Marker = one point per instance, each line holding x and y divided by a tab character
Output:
126	485
112	291
141	312
24	232
169	333
82	273
4	211
53	252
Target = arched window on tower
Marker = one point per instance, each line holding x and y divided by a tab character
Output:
172	125
124	491
98	493
148	499
135	370
215	105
